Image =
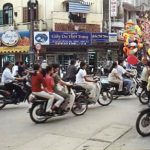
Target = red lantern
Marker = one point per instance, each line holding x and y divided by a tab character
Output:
133	60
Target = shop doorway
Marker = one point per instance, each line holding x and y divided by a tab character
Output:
92	61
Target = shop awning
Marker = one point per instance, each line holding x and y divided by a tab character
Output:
17	49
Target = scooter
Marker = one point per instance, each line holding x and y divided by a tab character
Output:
11	98
143	122
38	112
102	94
125	91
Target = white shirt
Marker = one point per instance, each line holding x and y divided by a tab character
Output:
7	76
144	75
15	70
80	76
111	76
121	70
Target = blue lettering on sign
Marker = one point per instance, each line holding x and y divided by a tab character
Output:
100	37
70	38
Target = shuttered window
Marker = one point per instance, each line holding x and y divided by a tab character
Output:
26	14
1	17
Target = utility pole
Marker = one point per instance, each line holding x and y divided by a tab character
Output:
31	5
109	22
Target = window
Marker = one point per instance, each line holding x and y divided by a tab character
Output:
26	13
77	17
8	13
1	17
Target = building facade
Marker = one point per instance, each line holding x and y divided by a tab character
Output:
52	15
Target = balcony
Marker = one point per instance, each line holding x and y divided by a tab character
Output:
77	27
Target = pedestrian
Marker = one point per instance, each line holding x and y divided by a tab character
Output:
21	69
71	72
148	88
15	69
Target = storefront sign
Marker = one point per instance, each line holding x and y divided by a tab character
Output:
112	37
100	37
113	8
41	38
10	38
19	41
70	38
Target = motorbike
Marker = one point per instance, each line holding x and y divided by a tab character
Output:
143	122
102	94
38	112
11	98
125	92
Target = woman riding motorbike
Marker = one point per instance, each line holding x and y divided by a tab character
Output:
37	81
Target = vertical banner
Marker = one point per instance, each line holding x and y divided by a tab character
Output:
113	7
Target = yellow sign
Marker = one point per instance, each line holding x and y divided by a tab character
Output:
16	49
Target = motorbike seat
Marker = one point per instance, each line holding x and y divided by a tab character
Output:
38	98
114	84
78	88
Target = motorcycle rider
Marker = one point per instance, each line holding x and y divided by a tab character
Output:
50	87
37	81
114	77
121	71
145	75
83	80
59	83
8	78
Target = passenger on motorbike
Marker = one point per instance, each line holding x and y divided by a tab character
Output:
8	80
114	76
59	83
145	75
83	80
121	71
50	87
37	81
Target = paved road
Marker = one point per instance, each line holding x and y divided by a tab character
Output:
111	127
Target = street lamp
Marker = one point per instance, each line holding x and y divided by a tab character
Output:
32	5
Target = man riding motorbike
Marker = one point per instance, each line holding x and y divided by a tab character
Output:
121	71
8	79
114	77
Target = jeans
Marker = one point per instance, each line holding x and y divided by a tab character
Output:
127	83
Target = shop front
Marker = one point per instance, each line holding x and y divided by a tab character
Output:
14	46
61	47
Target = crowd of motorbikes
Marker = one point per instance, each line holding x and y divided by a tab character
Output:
79	99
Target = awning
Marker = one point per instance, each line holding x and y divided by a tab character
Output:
17	49
117	24
84	2
77	7
129	6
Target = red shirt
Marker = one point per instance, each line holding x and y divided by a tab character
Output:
50	83
37	82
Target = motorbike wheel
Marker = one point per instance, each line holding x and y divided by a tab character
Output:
2	102
143	123
143	97
114	95
79	108
35	114
106	98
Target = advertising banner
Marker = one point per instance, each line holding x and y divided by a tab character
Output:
13	41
